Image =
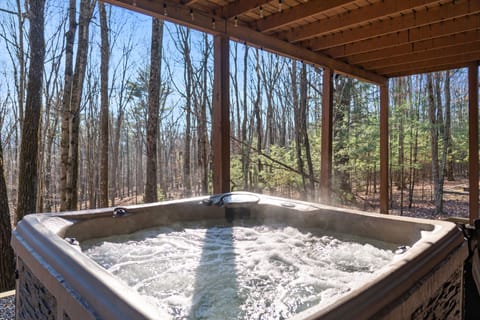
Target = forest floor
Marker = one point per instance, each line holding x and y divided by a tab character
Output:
455	201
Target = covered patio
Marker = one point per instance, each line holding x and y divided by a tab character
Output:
371	40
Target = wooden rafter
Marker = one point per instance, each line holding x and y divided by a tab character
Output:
460	59
447	54
297	13
348	19
454	40
189	2
434	18
237	8
409	72
449	27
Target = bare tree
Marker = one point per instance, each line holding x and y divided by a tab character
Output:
7	262
105	53
72	102
153	110
124	97
27	183
434	111
66	106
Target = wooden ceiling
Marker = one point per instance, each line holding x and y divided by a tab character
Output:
369	39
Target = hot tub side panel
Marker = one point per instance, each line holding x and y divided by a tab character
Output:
438	295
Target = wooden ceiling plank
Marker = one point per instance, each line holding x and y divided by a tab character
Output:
449	27
297	13
420	46
180	14
412	20
472	47
239	7
369	13
464	58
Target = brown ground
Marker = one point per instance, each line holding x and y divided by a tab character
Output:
455	201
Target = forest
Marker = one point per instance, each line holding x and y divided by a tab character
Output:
103	107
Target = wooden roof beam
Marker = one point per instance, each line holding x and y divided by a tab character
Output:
344	21
176	12
189	2
416	47
445	53
410	72
434	64
415	20
257	39
297	13
180	14
239	7
449	27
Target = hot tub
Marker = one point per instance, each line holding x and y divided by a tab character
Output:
57	281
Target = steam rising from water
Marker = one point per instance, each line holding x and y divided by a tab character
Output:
239	272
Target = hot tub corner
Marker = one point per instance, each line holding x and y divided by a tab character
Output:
438	295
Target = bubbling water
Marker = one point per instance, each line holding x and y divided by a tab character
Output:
239	272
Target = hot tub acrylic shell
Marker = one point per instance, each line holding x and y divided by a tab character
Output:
57	281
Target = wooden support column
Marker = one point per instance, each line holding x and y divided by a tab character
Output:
473	139
327	136
384	147
221	120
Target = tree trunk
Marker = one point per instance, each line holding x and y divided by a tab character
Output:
27	183
297	114
202	121
448	130
71	104
86	11
188	73
306	140
22	65
258	119
7	262
432	112
414	119
340	136
153	110
65	167
104	141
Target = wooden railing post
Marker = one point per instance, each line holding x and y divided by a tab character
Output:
384	147
221	120
473	139
327	136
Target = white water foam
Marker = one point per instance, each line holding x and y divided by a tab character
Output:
240	272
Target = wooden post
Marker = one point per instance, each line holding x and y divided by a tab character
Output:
384	147
473	139
221	120
327	136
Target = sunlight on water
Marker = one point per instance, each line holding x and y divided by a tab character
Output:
240	272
